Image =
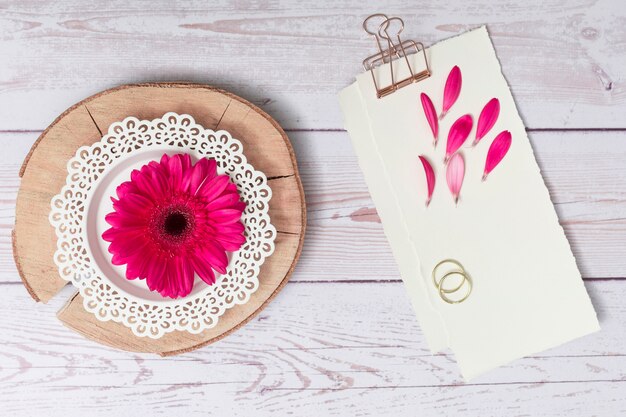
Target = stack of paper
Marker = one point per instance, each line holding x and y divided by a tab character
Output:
527	293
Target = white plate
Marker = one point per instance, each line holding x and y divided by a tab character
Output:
78	213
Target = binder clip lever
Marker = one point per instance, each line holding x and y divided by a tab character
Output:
397	51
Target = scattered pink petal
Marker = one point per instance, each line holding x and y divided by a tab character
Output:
459	132
454	175
431	116
452	89
499	147
488	117
430	178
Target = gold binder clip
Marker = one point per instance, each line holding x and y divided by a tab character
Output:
395	51
375	34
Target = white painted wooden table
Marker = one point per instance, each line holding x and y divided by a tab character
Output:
341	339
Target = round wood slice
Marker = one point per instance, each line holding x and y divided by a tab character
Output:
44	171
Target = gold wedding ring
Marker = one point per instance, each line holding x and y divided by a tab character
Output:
447	294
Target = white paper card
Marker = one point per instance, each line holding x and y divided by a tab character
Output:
528	294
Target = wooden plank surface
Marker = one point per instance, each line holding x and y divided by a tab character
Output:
564	59
364	355
583	170
341	339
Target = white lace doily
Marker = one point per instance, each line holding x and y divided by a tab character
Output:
78	218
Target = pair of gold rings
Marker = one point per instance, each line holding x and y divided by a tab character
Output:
452	290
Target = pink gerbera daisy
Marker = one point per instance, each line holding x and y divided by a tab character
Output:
173	220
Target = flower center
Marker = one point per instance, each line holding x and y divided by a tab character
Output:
172	226
175	224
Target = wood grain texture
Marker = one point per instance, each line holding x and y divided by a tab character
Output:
33	240
320	349
272	279
583	170
44	171
563	59
341	338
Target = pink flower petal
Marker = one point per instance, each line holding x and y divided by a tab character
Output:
211	189
225	200
203	269
175	171
198	175
457	135
173	277
452	89
114	219
127	244
454	175
188	276
136	265
124	188
185	171
486	120
155	274
430	178
161	182
186	162
231	188
498	149
212	169
231	242
118	260
134	204
233	228
215	255
225	216
431	116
